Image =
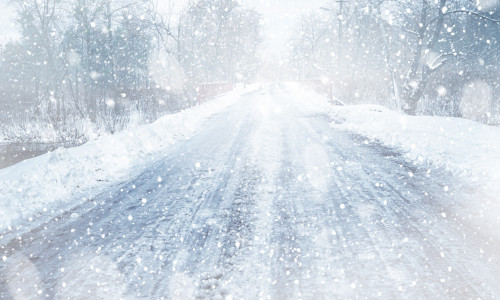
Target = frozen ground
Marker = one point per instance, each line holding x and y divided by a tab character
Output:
464	148
265	199
45	183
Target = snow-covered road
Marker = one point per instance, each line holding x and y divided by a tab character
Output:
267	200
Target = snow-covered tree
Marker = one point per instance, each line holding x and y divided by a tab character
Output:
418	54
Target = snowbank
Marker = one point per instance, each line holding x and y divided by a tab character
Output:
464	148
459	145
65	175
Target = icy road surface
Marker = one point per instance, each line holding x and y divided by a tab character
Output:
266	201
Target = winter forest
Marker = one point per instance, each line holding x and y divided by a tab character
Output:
105	65
249	149
427	57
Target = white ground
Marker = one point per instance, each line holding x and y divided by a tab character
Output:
44	183
466	149
261	195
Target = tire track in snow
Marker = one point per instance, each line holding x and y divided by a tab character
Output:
267	201
400	214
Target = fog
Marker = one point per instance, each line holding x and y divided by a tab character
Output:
249	149
83	69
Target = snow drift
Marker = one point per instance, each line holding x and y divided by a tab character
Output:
58	178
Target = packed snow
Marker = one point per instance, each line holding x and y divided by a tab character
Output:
465	148
309	149
462	146
260	198
40	184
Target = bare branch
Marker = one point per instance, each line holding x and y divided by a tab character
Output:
468	12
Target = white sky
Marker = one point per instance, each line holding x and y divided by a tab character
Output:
7	28
280	17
